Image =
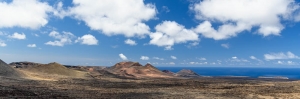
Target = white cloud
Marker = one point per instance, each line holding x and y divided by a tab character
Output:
87	39
144	58
18	36
173	57
213	63
157	58
202	58
36	35
192	63
281	55
31	45
2	44
168	48
24	13
297	18
225	45
169	33
192	44
290	62
236	16
279	62
115	17
165	9
123	57
130	42
234	57
286	63
171	63
253	57
2	33
61	39
60	11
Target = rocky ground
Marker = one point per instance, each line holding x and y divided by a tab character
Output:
109	87
95	83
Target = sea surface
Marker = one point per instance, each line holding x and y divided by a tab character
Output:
253	72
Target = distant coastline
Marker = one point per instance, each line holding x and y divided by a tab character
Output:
242	72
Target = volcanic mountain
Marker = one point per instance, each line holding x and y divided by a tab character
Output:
7	71
136	70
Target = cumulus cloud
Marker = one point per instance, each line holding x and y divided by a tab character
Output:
225	45
20	36
130	42
123	57
2	44
144	58
169	33
157	58
281	55
173	57
61	38
87	39
115	17
31	14
31	45
237	16
60	10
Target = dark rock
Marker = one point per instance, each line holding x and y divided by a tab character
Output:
186	73
169	72
23	64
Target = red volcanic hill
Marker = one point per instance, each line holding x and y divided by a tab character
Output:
7	71
136	70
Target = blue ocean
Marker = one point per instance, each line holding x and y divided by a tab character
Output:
291	73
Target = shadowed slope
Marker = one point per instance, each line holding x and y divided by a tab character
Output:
6	70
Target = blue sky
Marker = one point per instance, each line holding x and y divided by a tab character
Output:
249	33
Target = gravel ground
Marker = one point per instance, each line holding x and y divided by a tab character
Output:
110	87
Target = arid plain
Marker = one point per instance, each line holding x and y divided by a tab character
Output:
132	80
